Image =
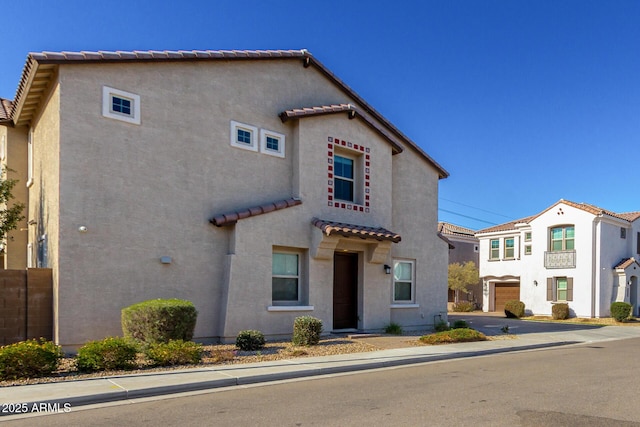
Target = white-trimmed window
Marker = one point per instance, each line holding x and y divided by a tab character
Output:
527	236
509	248
285	278
244	136
120	105
527	249
344	178
272	143
30	158
562	238
403	281
494	248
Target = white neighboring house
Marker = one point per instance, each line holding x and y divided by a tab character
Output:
570	252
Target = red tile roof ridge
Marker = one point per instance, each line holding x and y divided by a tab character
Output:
333	227
231	218
626	262
5	108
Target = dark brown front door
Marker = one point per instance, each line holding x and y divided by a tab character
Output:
345	291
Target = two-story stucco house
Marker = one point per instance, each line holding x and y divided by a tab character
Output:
570	252
255	184
464	247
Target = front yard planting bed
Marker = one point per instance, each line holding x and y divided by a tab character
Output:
602	321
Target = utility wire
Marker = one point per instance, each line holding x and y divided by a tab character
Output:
466	216
473	207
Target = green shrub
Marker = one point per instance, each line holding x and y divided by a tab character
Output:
393	329
250	340
441	326
453	336
464	306
460	324
29	359
112	353
159	320
306	330
514	309
620	311
560	311
175	352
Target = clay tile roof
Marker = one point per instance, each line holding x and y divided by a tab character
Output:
507	226
627	262
231	218
5	109
455	230
630	216
350	230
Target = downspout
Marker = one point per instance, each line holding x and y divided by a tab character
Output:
595	239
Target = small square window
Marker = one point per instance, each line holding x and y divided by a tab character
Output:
271	143
527	236
244	136
527	249
120	105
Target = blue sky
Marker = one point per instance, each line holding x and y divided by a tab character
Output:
523	102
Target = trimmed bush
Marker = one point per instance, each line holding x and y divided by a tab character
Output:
441	326
29	359
306	330
393	329
460	324
514	309
175	352
620	311
159	320
464	306
453	336
250	340
560	311
112	353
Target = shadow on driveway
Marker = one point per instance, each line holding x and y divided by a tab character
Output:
494	323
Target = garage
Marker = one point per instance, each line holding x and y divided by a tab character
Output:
504	292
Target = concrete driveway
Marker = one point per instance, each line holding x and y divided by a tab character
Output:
493	324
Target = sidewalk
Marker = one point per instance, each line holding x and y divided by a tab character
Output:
126	387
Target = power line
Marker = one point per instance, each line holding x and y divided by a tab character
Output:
473	207
466	216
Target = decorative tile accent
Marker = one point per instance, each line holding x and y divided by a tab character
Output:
357	149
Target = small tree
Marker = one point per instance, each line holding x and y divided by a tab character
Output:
462	275
10	215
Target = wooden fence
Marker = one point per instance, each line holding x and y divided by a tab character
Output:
26	305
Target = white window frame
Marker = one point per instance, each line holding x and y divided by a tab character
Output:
233	137
527	236
264	134
413	282
298	277
527	249
30	158
108	93
512	248
491	249
354	181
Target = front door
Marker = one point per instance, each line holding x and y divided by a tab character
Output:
345	291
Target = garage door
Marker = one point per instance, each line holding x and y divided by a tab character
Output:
505	292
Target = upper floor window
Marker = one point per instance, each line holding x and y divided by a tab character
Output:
509	248
244	136
623	233
344	181
495	249
562	238
120	105
527	236
272	143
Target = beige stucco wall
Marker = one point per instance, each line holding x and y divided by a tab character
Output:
15	163
147	191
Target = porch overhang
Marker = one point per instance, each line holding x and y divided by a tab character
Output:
326	236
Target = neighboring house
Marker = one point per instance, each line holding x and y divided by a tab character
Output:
464	248
570	252
254	183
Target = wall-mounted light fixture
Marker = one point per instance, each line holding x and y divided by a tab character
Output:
82	229
387	269
535	283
